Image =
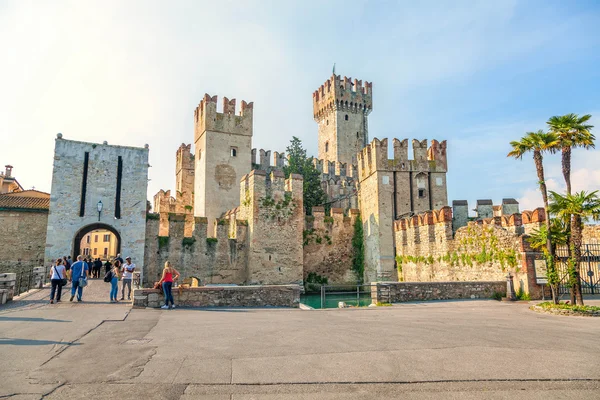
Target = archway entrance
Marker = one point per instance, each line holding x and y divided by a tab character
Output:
97	241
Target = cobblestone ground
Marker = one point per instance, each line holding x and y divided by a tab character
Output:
96	294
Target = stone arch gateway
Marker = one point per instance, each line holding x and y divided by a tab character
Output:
90	228
87	175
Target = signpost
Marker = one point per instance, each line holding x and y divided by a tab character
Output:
541	274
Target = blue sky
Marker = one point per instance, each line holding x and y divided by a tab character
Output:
477	74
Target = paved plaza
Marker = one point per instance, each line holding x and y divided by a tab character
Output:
456	350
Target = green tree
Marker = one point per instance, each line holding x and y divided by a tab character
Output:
299	163
358	250
538	143
572	131
538	239
576	208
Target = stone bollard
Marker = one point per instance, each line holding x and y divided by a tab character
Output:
510	289
38	277
8	282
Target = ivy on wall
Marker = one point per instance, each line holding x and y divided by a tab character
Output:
310	235
272	208
478	247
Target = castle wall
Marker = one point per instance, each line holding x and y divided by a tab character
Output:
484	250
22	237
273	207
390	189
223	155
64	220
328	248
213	260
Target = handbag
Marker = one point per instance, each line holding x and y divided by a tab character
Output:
63	282
82	282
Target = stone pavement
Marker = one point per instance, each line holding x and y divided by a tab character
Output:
461	349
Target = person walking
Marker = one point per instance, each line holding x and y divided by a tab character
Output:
58	272
67	265
127	276
97	267
169	275
107	266
114	283
79	274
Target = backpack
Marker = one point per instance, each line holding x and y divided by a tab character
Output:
108	277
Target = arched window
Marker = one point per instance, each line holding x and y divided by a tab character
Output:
233	152
346	117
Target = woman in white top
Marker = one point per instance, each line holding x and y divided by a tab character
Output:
58	272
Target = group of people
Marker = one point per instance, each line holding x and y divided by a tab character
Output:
64	272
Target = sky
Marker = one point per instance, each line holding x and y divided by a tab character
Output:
475	73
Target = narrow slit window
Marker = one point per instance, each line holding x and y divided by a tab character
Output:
421	193
346	117
233	152
118	194
86	160
326	147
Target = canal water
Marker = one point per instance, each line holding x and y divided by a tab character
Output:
331	301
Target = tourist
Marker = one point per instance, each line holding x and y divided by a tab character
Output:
58	272
97	267
79	274
67	265
119	258
107	266
169	275
114	283
127	276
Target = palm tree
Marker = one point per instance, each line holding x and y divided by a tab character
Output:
578	208
538	239
538	142
572	132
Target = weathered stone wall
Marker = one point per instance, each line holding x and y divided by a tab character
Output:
219	259
591	234
328	245
64	220
232	296
484	250
396	187
22	237
273	207
396	292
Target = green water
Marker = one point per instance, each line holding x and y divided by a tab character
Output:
314	300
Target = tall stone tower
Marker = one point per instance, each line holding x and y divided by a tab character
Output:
184	178
395	188
223	155
341	107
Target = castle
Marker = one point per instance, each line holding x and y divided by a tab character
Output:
235	218
217	186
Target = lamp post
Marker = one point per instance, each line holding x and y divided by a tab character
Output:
99	205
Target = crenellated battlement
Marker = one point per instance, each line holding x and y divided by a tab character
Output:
207	118
339	93
184	158
374	157
335	169
267	160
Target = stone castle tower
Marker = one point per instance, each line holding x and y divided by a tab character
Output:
341	107
223	155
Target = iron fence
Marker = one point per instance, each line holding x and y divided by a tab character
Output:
29	277
351	295
589	269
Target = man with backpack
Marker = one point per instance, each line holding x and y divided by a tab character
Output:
79	274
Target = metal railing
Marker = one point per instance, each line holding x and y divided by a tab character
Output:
352	295
589	269
30	277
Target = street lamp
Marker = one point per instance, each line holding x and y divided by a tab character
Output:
99	205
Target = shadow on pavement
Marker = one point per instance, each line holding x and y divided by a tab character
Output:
31	319
32	342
